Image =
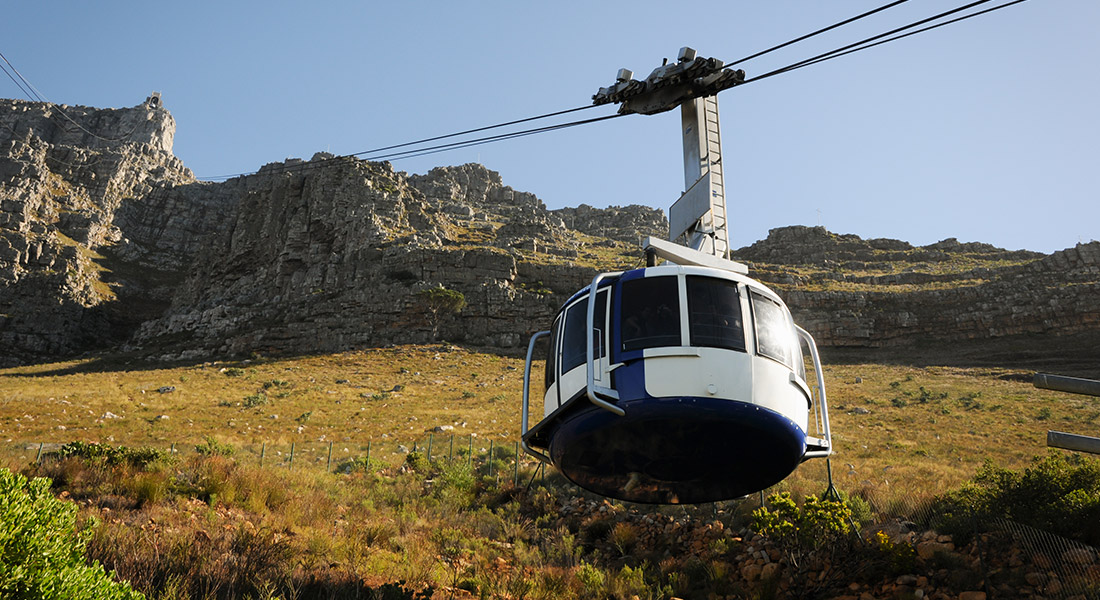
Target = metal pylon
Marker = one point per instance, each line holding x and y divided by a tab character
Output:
703	169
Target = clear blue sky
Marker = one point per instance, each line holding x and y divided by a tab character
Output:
986	130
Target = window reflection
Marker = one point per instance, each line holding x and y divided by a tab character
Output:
650	313
774	336
573	338
714	313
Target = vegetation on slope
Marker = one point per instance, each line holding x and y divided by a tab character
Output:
187	510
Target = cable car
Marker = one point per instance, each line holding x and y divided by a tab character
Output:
679	383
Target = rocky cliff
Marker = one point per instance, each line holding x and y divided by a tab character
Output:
873	293
107	239
65	171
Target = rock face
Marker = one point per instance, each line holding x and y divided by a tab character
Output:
64	172
872	293
106	238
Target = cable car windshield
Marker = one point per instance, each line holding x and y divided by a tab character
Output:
774	336
714	312
650	313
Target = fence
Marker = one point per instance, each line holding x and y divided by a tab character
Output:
1008	556
498	460
1053	566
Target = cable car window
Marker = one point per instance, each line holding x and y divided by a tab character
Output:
650	313
573	337
774	337
551	357
714	313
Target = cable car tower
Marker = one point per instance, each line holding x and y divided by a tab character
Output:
684	382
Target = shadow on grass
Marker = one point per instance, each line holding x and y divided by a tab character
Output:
1076	355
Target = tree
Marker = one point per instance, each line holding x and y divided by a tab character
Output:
438	302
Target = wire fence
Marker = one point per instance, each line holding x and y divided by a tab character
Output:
501	460
1008	559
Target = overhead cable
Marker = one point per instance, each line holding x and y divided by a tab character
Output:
858	45
434	138
905	35
38	97
413	153
818	32
374	154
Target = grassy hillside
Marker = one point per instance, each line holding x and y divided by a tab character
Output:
895	428
902	434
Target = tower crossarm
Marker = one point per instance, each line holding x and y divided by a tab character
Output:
669	85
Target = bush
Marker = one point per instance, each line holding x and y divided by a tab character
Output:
1059	493
815	525
212	447
416	461
139	458
42	550
810	536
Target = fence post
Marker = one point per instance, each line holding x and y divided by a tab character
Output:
368	456
451	450
470	455
491	458
328	466
39	457
431	440
263	450
291	465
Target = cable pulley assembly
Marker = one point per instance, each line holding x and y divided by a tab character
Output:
669	85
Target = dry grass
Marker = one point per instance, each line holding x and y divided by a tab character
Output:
386	397
924	429
211	526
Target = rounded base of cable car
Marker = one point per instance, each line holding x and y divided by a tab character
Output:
682	450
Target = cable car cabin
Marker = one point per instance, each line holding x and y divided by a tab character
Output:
676	384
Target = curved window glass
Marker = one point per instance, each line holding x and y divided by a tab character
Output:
714	313
573	338
650	313
774	336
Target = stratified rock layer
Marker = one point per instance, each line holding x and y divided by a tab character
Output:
107	239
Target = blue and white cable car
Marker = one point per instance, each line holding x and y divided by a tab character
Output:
681	383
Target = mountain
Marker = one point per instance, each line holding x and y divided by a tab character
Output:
107	240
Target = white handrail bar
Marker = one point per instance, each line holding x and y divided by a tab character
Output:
822	405
527	398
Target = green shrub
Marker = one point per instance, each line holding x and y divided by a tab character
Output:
351	465
899	557
212	447
416	461
800	531
42	550
254	400
810	536
1059	492
138	458
591	579
456	484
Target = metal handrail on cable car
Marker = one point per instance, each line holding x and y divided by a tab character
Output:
527	398
823	406
590	366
